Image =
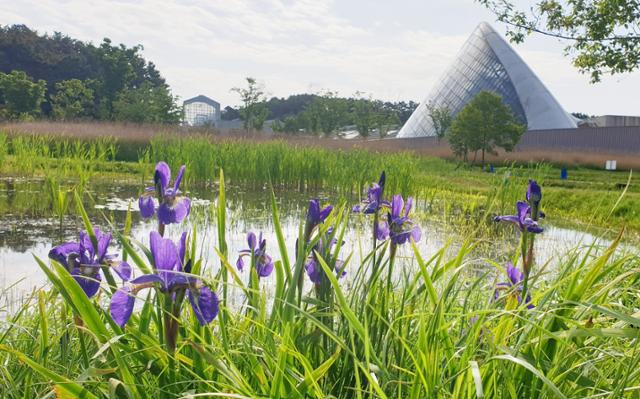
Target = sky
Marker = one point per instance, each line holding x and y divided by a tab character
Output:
391	50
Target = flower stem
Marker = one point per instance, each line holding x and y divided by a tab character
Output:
392	257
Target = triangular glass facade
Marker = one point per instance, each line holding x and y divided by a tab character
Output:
480	65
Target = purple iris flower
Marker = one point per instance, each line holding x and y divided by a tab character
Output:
514	284
171	276
534	196
317	215
314	270
522	219
258	255
84	261
313	267
173	206
374	200
534	192
398	226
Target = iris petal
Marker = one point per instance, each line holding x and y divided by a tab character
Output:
61	253
251	240
240	263
205	304
182	249
147	206
176	184
124	270
165	255
325	212
175	213
122	305
89	284
147	278
265	269
396	205
312	270
103	243
162	175
382	231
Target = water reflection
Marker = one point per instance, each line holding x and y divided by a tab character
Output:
27	228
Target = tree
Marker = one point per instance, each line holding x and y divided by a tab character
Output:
325	113
106	69
484	124
603	35
229	114
72	100
364	116
146	104
440	117
20	95
580	115
386	117
254	110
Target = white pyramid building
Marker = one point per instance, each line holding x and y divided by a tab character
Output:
488	62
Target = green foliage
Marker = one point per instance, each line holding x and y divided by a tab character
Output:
106	71
20	96
484	124
364	116
4	148
328	113
146	104
73	99
254	110
603	35
441	119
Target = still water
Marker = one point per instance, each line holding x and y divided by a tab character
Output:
28	229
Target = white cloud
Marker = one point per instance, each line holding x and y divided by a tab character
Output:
209	46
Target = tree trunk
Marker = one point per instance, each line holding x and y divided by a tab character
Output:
482	158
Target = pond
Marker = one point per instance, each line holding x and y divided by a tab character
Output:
28	229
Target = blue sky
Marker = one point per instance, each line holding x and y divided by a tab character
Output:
393	50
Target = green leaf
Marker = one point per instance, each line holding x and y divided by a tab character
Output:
314	376
534	370
63	387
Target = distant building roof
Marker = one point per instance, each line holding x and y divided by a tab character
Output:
202	99
615	120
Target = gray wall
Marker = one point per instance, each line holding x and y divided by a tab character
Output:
606	139
625	140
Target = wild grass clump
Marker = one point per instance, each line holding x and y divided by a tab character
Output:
287	166
33	153
396	325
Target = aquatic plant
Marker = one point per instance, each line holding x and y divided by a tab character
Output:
172	279
173	207
522	219
513	285
398	227
260	261
261	266
526	219
87	257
